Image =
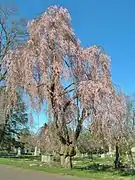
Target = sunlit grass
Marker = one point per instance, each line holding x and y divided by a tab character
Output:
91	174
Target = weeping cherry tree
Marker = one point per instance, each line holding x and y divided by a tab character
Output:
74	82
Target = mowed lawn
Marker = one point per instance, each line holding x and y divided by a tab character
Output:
85	174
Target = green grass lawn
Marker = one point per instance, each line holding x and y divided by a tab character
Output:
88	174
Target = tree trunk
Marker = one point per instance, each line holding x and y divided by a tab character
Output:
117	158
66	154
62	160
66	161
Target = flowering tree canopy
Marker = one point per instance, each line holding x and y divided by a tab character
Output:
75	82
111	126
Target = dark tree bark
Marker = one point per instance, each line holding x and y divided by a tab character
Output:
117	157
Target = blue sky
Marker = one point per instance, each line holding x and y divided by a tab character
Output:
109	23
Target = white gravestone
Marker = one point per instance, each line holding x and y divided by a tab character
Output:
35	152
19	152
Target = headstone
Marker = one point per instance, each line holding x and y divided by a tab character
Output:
19	152
46	159
82	155
133	149
133	152
127	157
110	154
39	151
86	154
32	164
78	155
35	152
110	149
25	151
43	158
102	155
15	150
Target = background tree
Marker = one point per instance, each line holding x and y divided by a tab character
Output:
130	128
15	124
117	132
87	144
74	82
24	138
12	34
49	143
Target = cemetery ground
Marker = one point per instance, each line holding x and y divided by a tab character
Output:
97	169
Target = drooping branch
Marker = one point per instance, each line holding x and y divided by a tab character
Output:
4	30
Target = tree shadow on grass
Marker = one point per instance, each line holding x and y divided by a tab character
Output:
123	171
127	172
95	167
